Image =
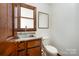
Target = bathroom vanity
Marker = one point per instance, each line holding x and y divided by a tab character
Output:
21	47
29	47
9	26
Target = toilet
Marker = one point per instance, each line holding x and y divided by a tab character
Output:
48	50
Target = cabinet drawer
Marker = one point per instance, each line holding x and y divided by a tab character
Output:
21	45
33	43
34	51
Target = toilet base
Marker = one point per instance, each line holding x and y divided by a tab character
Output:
58	54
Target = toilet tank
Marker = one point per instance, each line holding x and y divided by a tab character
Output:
45	40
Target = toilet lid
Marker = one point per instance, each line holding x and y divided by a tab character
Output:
51	49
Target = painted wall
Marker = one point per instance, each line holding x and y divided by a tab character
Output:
43	7
65	28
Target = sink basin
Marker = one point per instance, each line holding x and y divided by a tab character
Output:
25	35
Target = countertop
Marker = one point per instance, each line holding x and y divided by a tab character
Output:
23	39
26	39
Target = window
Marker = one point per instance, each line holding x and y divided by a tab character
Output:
24	17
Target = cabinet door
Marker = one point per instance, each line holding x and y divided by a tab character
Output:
34	51
9	21
5	20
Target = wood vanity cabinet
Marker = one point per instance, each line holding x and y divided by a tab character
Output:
29	48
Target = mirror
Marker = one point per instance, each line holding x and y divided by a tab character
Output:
43	20
24	17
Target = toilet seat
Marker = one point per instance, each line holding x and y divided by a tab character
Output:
50	49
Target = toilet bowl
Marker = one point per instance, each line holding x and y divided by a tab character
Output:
48	49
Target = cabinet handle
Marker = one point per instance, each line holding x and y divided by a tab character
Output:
33	47
20	50
21	42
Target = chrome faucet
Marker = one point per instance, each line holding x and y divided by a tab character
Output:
25	28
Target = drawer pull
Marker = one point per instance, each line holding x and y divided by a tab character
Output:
20	50
21	42
33	47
